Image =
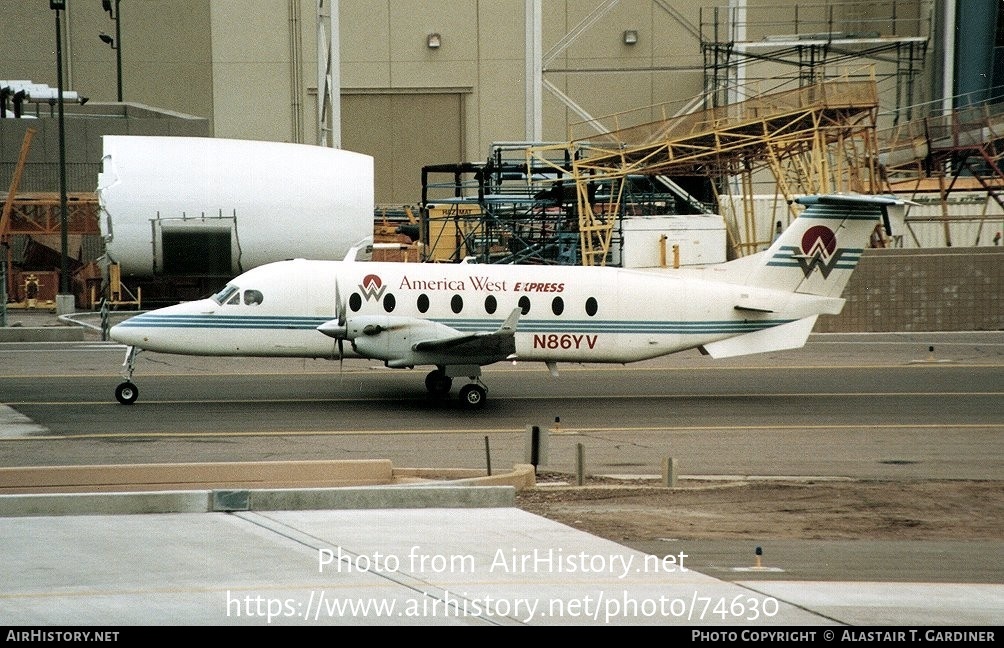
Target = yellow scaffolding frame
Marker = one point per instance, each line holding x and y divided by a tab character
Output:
818	138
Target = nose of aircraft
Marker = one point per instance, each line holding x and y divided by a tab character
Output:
172	329
128	334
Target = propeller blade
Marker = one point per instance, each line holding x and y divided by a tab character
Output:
341	358
336	328
339	304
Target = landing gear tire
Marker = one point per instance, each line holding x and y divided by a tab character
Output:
473	396
126	393
438	383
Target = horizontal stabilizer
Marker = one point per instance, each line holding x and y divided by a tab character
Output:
792	335
793	305
745	303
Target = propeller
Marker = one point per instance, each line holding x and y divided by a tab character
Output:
340	316
337	328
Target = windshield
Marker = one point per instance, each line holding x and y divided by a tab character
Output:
225	294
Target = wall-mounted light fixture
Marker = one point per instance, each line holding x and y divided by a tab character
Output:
433	41
115	43
630	36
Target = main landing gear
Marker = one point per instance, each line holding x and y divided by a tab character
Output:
127	393
472	395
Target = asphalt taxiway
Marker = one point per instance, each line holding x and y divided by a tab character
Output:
479	565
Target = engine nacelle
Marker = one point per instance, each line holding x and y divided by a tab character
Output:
391	339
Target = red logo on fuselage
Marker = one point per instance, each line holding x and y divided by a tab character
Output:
372	287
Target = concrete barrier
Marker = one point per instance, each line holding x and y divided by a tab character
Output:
44	505
41	334
195	476
250	486
384	497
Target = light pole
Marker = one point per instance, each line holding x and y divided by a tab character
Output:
64	301
116	43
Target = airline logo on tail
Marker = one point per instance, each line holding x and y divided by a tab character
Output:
818	250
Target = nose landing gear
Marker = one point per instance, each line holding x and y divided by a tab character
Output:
127	393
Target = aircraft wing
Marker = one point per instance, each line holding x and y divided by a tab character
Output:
410	341
498	344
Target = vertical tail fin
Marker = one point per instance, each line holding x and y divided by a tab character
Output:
820	249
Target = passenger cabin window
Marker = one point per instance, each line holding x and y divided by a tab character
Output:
252	297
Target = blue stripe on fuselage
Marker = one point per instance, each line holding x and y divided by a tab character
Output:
463	325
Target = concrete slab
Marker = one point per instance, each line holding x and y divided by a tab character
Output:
41	334
882	604
498	566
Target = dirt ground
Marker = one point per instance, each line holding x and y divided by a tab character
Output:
853	509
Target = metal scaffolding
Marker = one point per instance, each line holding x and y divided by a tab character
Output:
564	202
521	205
814	38
816	138
959	151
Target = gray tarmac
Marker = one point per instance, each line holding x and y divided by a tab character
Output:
435	566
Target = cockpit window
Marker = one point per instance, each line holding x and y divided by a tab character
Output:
225	294
252	297
236	299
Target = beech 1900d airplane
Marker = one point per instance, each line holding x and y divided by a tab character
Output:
461	317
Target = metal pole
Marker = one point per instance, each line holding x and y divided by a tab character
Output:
118	48
580	464
535	447
64	272
3	285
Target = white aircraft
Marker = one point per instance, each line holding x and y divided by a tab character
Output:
461	317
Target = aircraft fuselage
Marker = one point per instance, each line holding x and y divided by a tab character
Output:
566	314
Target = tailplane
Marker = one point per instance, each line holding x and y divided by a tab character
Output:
820	249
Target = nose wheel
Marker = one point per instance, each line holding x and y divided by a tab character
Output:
127	393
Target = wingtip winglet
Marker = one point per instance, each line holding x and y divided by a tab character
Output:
509	325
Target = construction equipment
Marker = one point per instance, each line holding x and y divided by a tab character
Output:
5	256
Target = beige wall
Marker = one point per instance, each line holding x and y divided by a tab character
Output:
942	289
251	68
165	53
250	65
404	131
